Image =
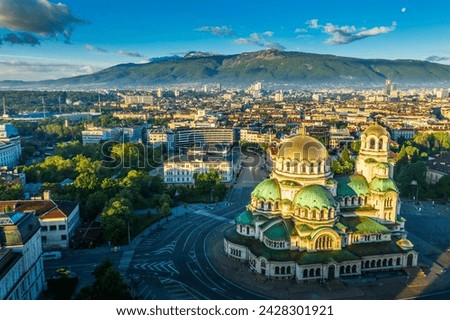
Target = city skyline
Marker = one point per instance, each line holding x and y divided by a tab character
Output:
42	39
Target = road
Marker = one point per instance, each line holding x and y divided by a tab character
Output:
83	263
173	261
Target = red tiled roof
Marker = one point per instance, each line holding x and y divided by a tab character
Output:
41	207
54	213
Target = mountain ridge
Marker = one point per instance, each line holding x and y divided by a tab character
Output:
272	66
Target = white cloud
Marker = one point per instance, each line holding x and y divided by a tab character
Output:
347	34
90	47
34	71
260	40
301	30
437	58
313	23
217	30
130	54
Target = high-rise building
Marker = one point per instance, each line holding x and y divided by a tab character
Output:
279	96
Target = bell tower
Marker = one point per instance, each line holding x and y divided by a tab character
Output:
374	150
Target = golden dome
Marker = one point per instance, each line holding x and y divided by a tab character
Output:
303	148
376	130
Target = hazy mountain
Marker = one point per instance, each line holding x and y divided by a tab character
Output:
272	66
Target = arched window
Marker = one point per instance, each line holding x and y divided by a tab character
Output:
372	144
288	270
324	242
354	268
347	269
311	273
263	263
318	272
398	261
288	166
248	229
367	265
319	167
341	270
303	168
380	144
277	270
283	270
305	273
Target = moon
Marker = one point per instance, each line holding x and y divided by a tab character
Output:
403	9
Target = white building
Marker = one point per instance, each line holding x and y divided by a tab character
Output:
279	96
10	146
139	100
338	137
253	136
21	266
181	169
161	136
59	220
97	135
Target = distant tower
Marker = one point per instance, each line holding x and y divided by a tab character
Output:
99	104
279	96
43	106
5	115
159	93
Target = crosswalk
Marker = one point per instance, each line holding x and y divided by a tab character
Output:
178	290
213	216
166	249
160	266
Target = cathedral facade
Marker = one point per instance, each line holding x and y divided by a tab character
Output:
306	224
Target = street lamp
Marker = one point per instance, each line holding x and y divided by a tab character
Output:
414	183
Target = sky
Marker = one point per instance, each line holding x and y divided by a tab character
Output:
41	39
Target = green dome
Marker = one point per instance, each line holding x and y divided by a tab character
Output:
383	185
282	230
267	190
354	185
315	196
277	232
245	218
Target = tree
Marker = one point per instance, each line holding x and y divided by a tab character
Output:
413	171
165	209
108	285
441	189
115	220
344	165
13	192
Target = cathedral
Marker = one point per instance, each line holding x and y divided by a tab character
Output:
305	224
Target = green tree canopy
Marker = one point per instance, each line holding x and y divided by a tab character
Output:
108	285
